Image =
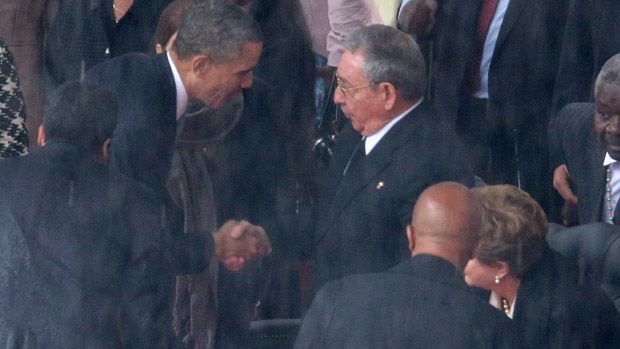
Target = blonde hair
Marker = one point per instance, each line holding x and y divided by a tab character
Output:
513	228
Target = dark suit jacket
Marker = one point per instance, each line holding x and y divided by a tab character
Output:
78	40
363	215
592	36
144	136
420	303
577	145
61	265
595	248
523	65
520	83
553	311
141	150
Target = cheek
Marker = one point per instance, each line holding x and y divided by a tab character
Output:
475	275
599	127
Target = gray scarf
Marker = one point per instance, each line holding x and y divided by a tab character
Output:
199	134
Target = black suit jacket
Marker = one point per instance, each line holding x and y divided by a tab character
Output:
595	248
144	136
62	267
592	36
553	310
421	303
520	84
523	65
141	150
78	39
363	215
577	145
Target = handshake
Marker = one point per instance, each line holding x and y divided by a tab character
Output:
237	243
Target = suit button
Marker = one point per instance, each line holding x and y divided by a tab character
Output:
107	51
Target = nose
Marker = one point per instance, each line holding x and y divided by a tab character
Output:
339	97
248	80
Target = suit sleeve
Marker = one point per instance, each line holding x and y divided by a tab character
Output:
317	321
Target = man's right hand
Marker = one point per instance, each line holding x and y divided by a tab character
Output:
237	243
562	185
418	17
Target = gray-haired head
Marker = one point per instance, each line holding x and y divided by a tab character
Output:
610	74
216	28
390	56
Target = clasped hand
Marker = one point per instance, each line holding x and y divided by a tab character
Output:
238	243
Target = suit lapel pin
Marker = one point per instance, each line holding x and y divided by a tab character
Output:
380	185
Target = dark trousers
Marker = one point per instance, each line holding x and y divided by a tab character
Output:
503	155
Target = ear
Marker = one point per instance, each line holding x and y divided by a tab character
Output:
171	41
105	149
159	49
501	269
390	95
41	136
410	237
201	64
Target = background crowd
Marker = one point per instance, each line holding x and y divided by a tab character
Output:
230	173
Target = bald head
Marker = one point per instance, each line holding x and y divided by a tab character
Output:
445	221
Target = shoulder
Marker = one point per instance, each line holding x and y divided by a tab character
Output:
575	118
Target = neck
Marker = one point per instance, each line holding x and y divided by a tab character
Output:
446	252
402	105
508	288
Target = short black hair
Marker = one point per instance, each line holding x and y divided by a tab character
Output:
81	114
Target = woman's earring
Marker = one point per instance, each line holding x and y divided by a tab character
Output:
497	279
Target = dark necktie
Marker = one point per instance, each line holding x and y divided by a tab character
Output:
473	68
357	154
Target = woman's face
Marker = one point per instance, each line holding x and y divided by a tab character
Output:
479	274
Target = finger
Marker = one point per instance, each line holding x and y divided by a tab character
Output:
562	185
234	263
262	240
240	229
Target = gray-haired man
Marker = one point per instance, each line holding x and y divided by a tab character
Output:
394	150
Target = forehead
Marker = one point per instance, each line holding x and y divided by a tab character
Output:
351	67
609	96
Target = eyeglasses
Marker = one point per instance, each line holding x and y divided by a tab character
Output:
345	90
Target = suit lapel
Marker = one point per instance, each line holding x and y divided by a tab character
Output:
360	175
595	156
515	7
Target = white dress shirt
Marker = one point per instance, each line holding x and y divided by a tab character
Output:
181	91
615	188
373	139
489	48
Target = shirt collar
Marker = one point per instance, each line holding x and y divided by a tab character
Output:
180	88
372	140
608	160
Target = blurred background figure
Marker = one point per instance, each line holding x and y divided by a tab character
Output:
13	132
85	33
494	65
535	286
23	26
595	248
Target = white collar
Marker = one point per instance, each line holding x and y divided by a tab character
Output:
608	160
181	91
372	140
